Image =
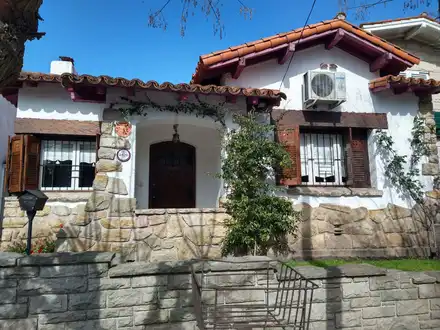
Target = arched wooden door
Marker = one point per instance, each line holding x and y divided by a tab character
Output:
172	175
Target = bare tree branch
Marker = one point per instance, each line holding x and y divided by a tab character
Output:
209	8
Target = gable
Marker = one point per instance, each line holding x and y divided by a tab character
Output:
380	54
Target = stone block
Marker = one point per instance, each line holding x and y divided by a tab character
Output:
101	324
57	318
152	317
97	270
355	290
149	281
128	298
304	209
19	272
63	285
114	142
122	207
61	210
430	169
49	303
39	230
374	241
100	182
124	322
25	324
342	242
348	319
13	212
365	302
429	291
63	271
376	312
106	128
92	231
13	311
8	295
429	324
399	294
412	307
140	234
378	216
115	235
362	227
100	284
116	186
108	313
17	222
87	301
398	212
98	201
106	153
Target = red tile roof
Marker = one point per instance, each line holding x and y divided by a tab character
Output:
395	81
288	37
67	79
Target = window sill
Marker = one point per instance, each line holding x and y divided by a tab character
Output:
335	191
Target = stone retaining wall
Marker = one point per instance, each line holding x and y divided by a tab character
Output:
93	291
181	234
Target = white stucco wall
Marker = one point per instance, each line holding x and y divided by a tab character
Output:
400	110
7	115
52	101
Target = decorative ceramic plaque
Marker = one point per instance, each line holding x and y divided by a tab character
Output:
123	129
123	155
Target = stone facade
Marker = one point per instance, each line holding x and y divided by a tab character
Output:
426	110
93	291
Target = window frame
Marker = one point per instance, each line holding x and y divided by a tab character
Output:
75	171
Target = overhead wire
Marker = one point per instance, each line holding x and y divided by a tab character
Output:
300	37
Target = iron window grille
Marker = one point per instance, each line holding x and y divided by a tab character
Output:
67	165
323	160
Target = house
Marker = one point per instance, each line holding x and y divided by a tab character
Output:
331	84
420	35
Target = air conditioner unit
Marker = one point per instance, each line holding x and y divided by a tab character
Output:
324	87
415	74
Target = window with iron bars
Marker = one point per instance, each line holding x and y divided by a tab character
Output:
67	165
323	160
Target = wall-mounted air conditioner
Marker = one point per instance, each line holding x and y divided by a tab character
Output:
324	87
415	74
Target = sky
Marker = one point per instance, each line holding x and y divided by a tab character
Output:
112	37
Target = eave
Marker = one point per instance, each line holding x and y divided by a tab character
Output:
401	84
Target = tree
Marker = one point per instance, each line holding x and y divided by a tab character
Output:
18	24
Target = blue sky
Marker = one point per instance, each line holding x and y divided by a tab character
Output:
111	37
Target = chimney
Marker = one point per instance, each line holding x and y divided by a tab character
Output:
341	16
63	65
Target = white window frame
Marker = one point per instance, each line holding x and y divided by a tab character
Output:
323	154
75	156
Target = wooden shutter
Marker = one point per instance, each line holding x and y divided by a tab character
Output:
289	138
358	164
14	164
31	168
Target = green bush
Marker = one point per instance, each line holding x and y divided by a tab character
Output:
260	220
46	245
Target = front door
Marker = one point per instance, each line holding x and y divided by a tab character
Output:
172	175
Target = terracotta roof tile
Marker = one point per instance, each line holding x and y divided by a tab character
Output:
426	16
210	59
67	79
52	126
390	81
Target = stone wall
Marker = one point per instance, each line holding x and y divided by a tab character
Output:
93	291
182	234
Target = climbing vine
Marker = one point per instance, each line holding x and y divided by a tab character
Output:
199	108
260	219
404	173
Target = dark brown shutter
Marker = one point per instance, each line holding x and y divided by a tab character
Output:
289	138
14	165
31	168
358	164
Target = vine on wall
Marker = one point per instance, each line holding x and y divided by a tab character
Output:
199	109
404	173
260	220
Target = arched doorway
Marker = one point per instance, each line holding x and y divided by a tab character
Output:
172	175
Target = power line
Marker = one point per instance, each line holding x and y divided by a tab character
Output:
300	36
